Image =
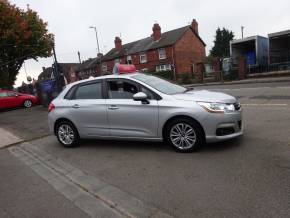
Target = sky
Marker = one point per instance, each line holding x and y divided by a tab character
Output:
69	21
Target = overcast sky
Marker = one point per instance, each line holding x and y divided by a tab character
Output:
69	21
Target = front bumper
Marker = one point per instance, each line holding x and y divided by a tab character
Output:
220	127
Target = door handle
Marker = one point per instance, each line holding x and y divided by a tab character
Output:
113	107
76	106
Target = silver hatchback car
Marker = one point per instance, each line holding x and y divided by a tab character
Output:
139	106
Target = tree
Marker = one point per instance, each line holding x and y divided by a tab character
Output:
222	40
23	36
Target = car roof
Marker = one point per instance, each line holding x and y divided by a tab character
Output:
111	76
3	90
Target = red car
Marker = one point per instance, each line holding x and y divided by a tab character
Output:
10	99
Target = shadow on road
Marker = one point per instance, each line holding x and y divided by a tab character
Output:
154	146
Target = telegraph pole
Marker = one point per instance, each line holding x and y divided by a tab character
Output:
79	55
242	29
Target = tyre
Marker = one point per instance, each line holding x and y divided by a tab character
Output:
27	103
184	135
67	134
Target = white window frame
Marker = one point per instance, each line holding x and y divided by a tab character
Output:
104	67
163	67
162	53
129	58
143	58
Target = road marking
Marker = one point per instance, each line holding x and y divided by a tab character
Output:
250	88
283	105
93	196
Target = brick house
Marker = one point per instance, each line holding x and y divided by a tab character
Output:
176	50
90	67
67	69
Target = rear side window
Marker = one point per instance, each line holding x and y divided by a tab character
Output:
89	91
3	94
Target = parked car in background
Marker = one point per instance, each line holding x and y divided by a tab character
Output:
10	99
138	106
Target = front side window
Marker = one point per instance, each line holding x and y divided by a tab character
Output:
143	58
162	53
89	91
11	94
121	89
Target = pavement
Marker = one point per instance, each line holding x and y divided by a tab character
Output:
245	177
245	81
8	138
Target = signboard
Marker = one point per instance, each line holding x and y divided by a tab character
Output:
48	86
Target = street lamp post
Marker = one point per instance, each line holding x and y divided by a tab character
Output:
93	27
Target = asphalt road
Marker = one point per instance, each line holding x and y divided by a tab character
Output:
247	177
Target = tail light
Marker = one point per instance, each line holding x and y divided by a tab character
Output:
51	107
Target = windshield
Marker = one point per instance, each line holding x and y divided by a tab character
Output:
159	84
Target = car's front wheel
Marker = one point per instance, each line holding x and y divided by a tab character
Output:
184	135
27	103
67	134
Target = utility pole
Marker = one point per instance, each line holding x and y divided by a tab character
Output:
56	72
93	27
79	57
242	29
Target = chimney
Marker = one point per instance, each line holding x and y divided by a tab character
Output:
43	69
118	43
194	26
156	32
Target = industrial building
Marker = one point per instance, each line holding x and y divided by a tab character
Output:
279	50
254	49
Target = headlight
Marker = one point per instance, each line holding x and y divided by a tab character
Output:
213	107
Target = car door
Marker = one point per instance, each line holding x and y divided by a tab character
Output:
14	100
128	118
87	109
7	100
3	100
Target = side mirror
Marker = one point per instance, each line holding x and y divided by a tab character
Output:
141	96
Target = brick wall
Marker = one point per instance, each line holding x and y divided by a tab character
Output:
188	50
152	60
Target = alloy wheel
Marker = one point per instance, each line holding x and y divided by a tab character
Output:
27	103
66	134
183	136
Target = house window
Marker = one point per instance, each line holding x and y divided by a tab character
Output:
129	59
162	53
143	58
104	67
165	67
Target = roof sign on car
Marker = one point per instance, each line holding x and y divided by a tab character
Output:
124	69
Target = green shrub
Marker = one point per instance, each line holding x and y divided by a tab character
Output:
186	78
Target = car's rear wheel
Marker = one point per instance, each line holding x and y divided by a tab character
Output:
67	134
27	103
184	135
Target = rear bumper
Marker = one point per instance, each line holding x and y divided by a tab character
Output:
51	122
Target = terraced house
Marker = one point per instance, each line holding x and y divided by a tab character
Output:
177	50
